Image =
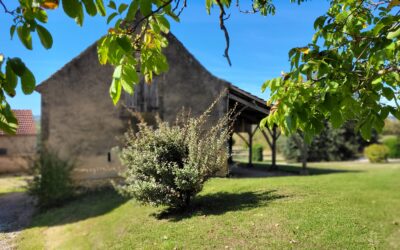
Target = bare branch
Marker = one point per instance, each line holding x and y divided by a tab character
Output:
222	15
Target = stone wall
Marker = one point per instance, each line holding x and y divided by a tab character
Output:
188	85
20	150
80	122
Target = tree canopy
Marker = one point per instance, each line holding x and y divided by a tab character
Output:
347	72
350	71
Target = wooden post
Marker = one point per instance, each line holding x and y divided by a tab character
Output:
230	144
273	148
272	144
250	164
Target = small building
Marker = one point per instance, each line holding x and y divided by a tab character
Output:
80	122
16	150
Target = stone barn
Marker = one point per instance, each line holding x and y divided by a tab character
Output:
16	150
80	122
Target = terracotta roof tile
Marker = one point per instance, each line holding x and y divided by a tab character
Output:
26	124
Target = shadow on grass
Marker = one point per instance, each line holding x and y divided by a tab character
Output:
90	205
261	169
220	203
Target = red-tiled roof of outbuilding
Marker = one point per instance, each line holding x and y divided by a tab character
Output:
26	123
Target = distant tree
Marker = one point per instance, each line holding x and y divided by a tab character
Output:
330	145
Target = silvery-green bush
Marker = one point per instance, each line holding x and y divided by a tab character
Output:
169	164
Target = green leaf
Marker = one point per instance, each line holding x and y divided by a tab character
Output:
11	80
41	15
125	43
71	7
388	93
45	37
133	8
129	78
117	72
163	23
111	17
90	7
8	122
366	130
392	35
28	82
102	49
100	7
263	122
12	31
112	5
336	119
115	90
122	7
209	4
24	35
80	16
145	7
17	66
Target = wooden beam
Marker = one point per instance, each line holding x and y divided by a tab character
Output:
244	139
255	130
255	98
266	138
249	104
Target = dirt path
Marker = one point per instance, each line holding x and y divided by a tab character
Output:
16	210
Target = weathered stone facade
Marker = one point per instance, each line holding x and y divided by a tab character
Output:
81	123
17	150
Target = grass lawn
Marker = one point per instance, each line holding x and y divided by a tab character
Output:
12	184
357	206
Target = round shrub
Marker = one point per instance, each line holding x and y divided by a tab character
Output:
168	165
393	144
52	183
257	152
376	153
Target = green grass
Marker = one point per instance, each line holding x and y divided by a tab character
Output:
356	207
12	184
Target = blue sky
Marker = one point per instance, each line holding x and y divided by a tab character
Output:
259	45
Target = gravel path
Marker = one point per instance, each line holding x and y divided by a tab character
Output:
16	210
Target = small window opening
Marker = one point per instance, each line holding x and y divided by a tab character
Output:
3	151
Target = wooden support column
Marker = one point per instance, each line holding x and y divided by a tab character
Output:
250	164
272	144
251	135
275	137
230	144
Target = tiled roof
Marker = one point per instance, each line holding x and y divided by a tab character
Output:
26	124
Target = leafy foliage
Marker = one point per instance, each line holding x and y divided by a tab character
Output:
377	153
330	145
394	146
52	183
349	71
28	17
257	152
169	165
